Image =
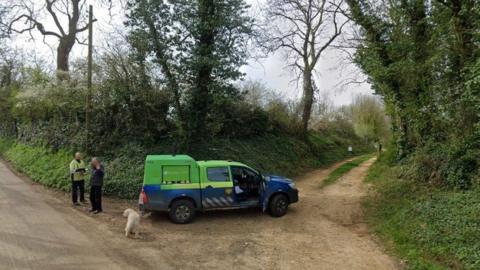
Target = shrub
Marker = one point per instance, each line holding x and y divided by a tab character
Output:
430	228
453	165
240	120
283	117
282	154
40	163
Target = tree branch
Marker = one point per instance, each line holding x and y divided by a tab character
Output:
33	24
79	30
54	16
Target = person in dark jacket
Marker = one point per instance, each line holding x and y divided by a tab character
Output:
96	182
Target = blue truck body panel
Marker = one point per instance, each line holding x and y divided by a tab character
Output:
160	200
207	193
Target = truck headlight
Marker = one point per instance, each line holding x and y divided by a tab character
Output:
292	185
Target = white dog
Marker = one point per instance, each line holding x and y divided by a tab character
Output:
133	222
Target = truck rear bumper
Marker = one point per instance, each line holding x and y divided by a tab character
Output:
151	207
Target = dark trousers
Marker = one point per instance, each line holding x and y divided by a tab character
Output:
76	187
96	198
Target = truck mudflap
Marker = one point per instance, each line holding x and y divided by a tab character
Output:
264	201
141	205
264	207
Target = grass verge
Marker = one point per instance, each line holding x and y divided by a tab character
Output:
429	228
343	169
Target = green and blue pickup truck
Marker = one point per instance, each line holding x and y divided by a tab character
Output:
181	186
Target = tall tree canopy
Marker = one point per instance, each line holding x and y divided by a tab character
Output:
303	29
419	55
68	16
369	119
199	47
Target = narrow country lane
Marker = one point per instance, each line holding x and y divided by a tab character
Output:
35	236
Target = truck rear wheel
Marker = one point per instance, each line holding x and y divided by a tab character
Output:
182	211
278	205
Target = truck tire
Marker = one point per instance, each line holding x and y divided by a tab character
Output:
278	205
182	211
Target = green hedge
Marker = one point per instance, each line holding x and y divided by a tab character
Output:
39	163
50	168
285	155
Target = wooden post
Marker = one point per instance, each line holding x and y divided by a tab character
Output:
89	78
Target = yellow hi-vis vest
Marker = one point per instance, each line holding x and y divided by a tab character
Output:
74	167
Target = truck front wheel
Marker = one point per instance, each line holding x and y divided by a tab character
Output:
182	211
278	205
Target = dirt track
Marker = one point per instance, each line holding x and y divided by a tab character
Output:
324	230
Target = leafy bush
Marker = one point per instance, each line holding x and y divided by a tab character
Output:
239	119
124	172
430	228
452	165
5	144
390	155
283	117
39	163
282	154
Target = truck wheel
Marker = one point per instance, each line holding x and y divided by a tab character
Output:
182	212
278	205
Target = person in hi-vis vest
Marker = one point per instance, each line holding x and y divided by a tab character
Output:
77	175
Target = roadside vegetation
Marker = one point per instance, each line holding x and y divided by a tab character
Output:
343	169
428	227
167	84
423	58
287	155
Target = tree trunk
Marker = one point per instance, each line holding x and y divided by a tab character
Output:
171	79
63	53
463	55
203	81
403	138
307	100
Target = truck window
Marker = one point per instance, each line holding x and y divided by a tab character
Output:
245	174
219	174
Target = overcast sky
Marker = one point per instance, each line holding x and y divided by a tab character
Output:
332	73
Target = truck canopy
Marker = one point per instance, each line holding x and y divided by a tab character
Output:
170	169
178	169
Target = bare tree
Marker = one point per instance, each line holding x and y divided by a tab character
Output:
3	30
303	30
25	18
